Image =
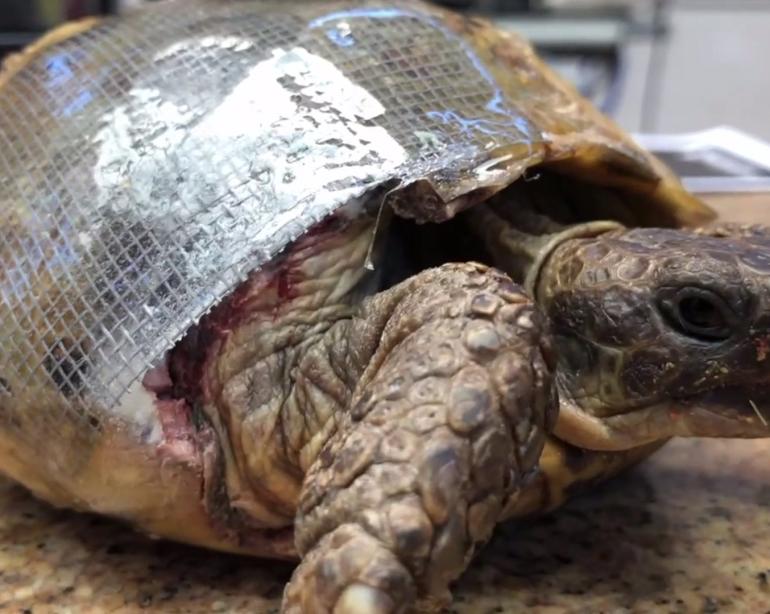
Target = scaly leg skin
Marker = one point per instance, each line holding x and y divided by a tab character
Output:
447	418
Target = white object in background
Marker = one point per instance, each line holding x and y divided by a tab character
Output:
720	159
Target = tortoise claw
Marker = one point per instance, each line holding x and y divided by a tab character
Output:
349	572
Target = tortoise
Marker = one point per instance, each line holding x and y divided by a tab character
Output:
351	282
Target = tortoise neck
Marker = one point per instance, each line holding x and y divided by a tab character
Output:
521	241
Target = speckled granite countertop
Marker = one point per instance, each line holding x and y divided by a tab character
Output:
687	531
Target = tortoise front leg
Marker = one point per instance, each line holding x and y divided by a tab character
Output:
448	416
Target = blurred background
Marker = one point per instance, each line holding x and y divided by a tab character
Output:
655	65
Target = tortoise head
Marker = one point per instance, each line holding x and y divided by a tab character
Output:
660	333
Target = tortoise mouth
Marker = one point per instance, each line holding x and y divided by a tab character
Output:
744	405
725	412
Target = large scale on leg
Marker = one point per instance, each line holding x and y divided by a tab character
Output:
240	306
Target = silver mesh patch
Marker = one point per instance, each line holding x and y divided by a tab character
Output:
148	164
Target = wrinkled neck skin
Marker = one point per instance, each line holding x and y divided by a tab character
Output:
526	245
576	426
549	267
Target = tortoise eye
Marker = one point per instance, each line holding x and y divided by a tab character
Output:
700	314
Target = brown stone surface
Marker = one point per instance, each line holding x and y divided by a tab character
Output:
687	531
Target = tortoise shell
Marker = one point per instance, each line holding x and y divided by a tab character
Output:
150	162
